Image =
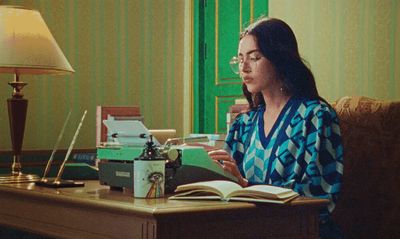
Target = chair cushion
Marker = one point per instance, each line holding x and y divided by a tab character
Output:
369	202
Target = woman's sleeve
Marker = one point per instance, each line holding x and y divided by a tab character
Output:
234	142
323	158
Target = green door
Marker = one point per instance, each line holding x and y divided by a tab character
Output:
217	24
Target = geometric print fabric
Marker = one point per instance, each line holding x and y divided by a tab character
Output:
303	150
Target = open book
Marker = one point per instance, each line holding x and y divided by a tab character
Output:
230	191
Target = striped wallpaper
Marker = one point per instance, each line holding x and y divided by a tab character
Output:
137	52
124	52
353	46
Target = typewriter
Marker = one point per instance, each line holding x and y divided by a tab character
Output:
184	164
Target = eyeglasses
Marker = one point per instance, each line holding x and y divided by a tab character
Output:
237	63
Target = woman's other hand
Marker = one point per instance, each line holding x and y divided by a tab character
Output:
206	147
224	160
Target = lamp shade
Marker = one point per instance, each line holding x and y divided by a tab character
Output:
26	44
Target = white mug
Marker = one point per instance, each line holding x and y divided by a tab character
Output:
148	178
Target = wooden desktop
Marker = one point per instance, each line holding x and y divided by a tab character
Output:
95	211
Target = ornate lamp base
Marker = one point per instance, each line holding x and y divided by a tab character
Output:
18	178
17	107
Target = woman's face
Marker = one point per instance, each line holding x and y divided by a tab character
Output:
256	71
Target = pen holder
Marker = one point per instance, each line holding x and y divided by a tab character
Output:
149	178
149	173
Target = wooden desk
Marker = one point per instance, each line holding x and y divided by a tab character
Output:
97	212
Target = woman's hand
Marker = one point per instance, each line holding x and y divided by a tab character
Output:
224	160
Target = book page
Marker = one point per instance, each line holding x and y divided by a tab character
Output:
196	194
263	200
219	187
264	191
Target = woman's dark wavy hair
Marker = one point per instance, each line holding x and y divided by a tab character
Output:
278	44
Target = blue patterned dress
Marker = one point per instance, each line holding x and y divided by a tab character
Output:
303	150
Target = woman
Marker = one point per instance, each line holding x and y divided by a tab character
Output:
290	137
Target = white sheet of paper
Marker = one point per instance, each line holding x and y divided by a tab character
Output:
128	131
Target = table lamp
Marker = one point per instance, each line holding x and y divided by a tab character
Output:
26	47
